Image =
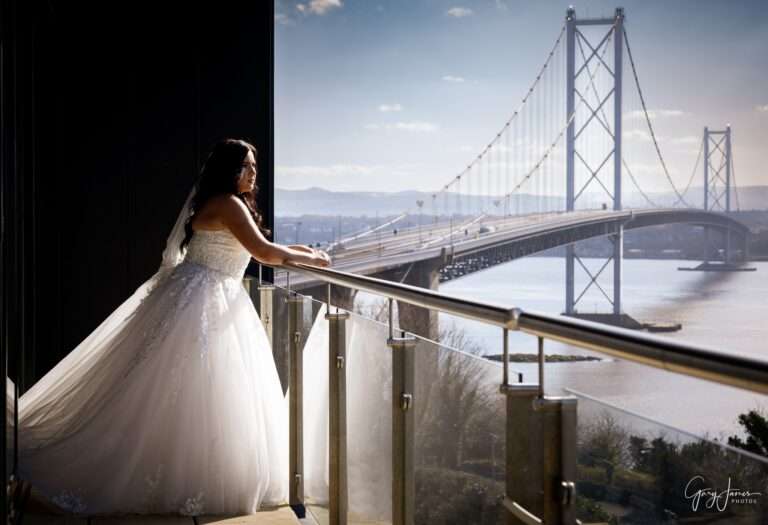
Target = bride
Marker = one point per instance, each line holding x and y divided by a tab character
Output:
173	404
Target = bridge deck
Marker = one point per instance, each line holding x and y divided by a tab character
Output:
382	251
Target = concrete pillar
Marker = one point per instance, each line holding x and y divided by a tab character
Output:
342	297
618	259
414	319
745	248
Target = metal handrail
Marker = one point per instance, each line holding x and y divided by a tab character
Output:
498	315
704	363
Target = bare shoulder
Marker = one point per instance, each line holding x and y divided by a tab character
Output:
230	210
226	205
222	204
218	211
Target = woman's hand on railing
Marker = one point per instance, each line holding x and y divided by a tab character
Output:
324	260
301	248
310	256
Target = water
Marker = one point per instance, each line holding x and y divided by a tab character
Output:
725	311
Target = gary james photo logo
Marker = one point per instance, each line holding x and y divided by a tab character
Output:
703	496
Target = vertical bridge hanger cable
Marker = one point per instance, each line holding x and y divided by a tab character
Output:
481	156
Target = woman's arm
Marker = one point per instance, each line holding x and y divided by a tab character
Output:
237	218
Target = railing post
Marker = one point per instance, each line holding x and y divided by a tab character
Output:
558	416
266	310
541	454
403	475
337	417
296	404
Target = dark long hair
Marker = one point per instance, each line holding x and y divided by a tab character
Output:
219	177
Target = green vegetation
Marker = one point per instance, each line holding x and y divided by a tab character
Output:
756	427
647	476
445	496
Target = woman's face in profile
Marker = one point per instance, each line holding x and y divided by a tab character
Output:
247	180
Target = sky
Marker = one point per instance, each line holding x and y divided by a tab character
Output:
394	95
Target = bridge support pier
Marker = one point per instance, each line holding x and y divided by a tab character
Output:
735	247
617	256
342	297
570	270
415	319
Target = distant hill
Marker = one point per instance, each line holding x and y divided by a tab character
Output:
317	201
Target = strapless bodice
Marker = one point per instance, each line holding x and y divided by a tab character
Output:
219	250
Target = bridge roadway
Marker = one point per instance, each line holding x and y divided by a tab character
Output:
517	236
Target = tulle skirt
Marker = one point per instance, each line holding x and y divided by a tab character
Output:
172	405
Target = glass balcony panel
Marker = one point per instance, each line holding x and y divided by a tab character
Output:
313	342
316	415
280	335
369	421
460	435
632	469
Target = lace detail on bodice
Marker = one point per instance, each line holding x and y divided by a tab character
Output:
219	250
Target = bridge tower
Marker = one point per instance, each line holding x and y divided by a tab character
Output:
580	83
717	157
717	185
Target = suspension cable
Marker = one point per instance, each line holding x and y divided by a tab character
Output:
571	118
693	174
735	187
509	121
637	186
648	121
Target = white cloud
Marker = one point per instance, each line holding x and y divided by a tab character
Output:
334	170
668	113
459	12
651	169
283	19
421	127
451	78
414	127
638	135
351	176
501	4
762	109
654	114
641	135
388	108
319	7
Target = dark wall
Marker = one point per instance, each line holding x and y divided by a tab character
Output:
115	106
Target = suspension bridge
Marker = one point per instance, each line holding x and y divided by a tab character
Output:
557	172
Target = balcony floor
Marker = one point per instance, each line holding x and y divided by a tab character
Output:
38	511
277	516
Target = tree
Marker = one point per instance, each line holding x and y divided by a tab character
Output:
604	443
756	427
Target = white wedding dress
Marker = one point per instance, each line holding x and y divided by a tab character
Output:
172	405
